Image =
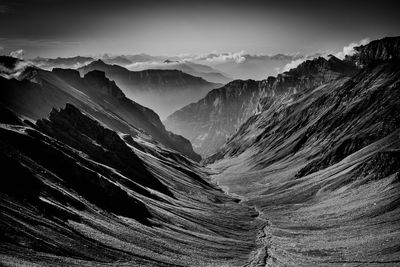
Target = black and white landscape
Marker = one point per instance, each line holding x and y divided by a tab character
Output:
208	133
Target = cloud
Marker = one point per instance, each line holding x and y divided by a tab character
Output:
138	66
15	70
293	64
237	57
348	50
17	54
300	59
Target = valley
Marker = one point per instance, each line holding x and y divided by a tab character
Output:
301	169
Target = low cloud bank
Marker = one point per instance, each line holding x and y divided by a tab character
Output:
17	54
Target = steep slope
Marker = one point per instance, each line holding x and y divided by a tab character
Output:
39	91
209	122
162	90
322	165
376	51
75	193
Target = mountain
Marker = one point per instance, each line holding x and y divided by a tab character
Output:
8	64
210	121
246	66
162	90
74	192
322	163
199	70
67	63
376	51
118	60
38	91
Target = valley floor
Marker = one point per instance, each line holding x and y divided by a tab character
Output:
328	218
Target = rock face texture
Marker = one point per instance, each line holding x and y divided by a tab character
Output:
321	164
377	51
210	121
163	90
38	91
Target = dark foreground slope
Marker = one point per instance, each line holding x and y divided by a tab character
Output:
75	193
38	91
323	166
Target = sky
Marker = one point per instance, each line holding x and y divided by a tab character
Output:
52	28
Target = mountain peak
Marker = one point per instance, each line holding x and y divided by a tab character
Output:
170	61
377	51
98	62
9	62
95	74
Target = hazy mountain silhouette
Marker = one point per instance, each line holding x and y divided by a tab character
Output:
162	90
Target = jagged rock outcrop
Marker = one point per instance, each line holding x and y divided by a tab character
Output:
376	51
75	129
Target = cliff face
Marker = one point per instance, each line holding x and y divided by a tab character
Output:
210	121
376	51
39	91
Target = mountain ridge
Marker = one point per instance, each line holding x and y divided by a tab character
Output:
201	122
95	93
161	90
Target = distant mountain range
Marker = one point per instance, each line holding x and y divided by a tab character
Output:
69	62
246	66
199	70
162	90
217	68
